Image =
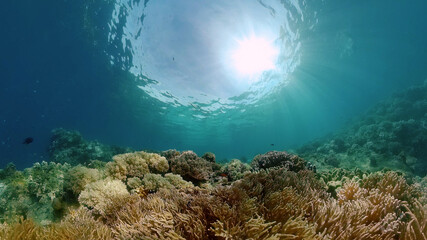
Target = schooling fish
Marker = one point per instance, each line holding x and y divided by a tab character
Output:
272	144
28	140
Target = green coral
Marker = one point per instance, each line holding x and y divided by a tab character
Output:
31	193
154	182
177	181
14	197
78	177
8	171
46	180
235	169
45	183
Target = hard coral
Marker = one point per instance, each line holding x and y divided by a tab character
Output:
99	194
210	157
136	164
153	182
46	180
235	169
162	215
78	177
79	224
392	134
278	159
191	167
45	183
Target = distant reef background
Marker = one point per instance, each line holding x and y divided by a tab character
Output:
393	134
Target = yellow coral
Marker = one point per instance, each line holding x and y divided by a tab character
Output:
417	225
259	229
136	164
351	191
99	194
79	224
177	181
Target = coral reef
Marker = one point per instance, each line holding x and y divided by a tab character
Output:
136	164
210	157
98	195
70	147
235	169
278	159
175	195
78	177
191	167
273	203
392	134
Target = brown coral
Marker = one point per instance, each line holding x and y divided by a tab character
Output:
79	224
278	159
191	167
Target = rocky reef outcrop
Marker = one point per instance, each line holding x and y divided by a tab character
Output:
392	134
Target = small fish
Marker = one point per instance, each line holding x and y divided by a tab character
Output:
272	144
28	140
223	175
173	59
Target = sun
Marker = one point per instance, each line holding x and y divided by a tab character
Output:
254	55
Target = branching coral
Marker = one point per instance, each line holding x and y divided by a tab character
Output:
163	215
177	181
191	167
153	182
416	228
278	159
78	177
99	194
210	157
235	169
46	180
393	184
45	183
79	224
259	228
359	214
279	202
136	164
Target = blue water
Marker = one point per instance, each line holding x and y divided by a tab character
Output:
86	66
